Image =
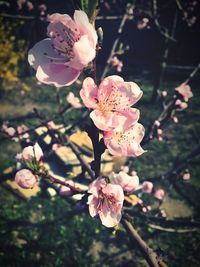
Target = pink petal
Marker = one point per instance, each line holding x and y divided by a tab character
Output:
57	74
42	53
110	219
83	53
106	121
88	93
85	27
93	205
125	143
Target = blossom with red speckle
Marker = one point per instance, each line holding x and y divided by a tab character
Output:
126	143
106	201
111	102
71	46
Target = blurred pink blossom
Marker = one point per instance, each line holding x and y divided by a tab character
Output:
159	194
147	187
186	176
159	132
55	147
180	105
71	46
174	119
125	143
111	102
31	152
66	191
25	179
164	93
185	91
106	200
142	24
51	125
73	100
127	182
157	123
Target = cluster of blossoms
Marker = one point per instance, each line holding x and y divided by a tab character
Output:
16	134
31	157
59	60
112	113
117	64
184	92
147	187
24	4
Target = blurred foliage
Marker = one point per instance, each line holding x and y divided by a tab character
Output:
12	53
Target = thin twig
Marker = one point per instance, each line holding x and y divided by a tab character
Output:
150	256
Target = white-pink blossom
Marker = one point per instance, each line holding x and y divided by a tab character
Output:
147	187
106	200
126	143
31	152
71	46
73	100
159	194
112	102
185	91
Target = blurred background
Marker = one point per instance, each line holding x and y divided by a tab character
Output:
157	47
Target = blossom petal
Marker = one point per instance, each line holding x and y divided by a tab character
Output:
43	53
88	93
83	53
110	219
85	27
57	74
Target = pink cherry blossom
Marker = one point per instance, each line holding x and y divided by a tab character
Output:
157	123
174	119
127	182
125	143
31	152
164	93
55	147
10	131
133	173
180	105
25	179
142	24
18	157
66	191
51	125
106	200
112	102
71	46
185	91
147	187
73	101
159	131
159	194
186	176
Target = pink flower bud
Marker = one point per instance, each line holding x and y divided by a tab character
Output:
186	176
164	93
67	191
180	105
73	101
18	157
30	152
147	187
10	131
159	194
55	147
144	209
127	182
159	131
25	179
174	119
157	123
133	173
184	90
